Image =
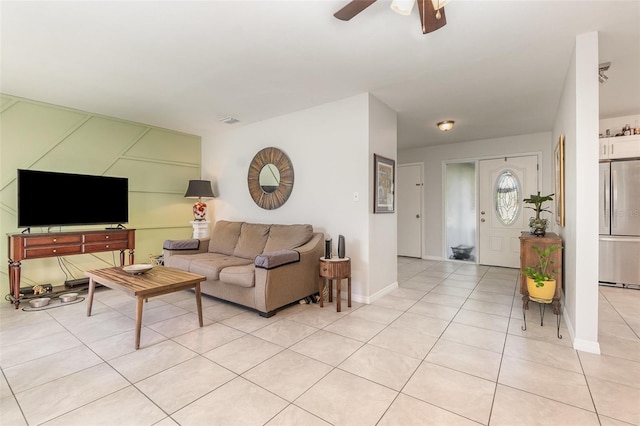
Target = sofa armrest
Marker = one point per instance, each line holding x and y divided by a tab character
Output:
186	246
276	258
311	246
291	282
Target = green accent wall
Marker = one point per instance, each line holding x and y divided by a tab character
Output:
158	163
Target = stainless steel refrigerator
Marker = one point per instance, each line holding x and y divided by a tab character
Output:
620	222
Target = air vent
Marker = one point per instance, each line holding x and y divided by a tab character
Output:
228	120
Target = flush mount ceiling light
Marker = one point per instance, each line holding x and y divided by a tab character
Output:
602	78
446	125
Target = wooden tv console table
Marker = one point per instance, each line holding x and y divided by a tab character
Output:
54	244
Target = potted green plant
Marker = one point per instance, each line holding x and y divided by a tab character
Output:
538	225
541	282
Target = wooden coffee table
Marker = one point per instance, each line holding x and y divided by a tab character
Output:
156	282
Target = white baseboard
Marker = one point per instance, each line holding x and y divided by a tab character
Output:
432	258
580	344
368	300
567	321
381	293
586	346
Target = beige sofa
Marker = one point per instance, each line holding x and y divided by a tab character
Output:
261	266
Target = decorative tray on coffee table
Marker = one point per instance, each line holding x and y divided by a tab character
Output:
138	269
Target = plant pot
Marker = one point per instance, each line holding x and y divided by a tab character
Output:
542	294
538	227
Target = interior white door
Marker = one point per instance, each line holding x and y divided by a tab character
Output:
409	199
503	184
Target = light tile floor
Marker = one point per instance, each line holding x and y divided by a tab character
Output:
445	348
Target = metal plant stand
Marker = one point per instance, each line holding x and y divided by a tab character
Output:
542	305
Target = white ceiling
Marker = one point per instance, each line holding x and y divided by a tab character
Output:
496	68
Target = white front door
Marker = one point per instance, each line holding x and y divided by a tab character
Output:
503	184
409	198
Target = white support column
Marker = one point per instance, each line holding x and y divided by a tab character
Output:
200	228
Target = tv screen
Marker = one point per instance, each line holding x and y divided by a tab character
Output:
58	199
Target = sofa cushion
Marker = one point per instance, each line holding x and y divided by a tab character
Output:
210	264
253	238
225	237
283	237
180	261
243	276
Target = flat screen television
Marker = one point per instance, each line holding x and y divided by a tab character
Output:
59	199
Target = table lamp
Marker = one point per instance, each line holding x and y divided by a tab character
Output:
199	189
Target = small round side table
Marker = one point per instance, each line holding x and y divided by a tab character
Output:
335	269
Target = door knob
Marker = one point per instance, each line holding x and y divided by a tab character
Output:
482	220
482	212
417	216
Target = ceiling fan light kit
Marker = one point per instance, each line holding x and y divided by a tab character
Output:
432	15
446	125
403	7
437	5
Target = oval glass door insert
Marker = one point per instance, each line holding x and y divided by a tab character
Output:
507	197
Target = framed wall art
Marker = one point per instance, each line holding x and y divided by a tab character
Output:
558	165
384	170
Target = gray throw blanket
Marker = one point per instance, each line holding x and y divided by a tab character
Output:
191	244
276	258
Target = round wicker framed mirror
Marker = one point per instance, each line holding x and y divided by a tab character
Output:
270	178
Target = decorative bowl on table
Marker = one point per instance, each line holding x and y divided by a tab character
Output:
68	297
39	302
138	269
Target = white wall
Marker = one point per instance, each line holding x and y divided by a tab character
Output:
434	157
577	119
565	124
329	146
383	231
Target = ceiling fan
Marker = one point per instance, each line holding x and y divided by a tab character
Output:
431	11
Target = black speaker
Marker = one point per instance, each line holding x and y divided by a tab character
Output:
327	248
341	246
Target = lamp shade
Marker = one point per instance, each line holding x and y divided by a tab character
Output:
199	188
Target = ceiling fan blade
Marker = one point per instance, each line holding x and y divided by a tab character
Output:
352	9
428	17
